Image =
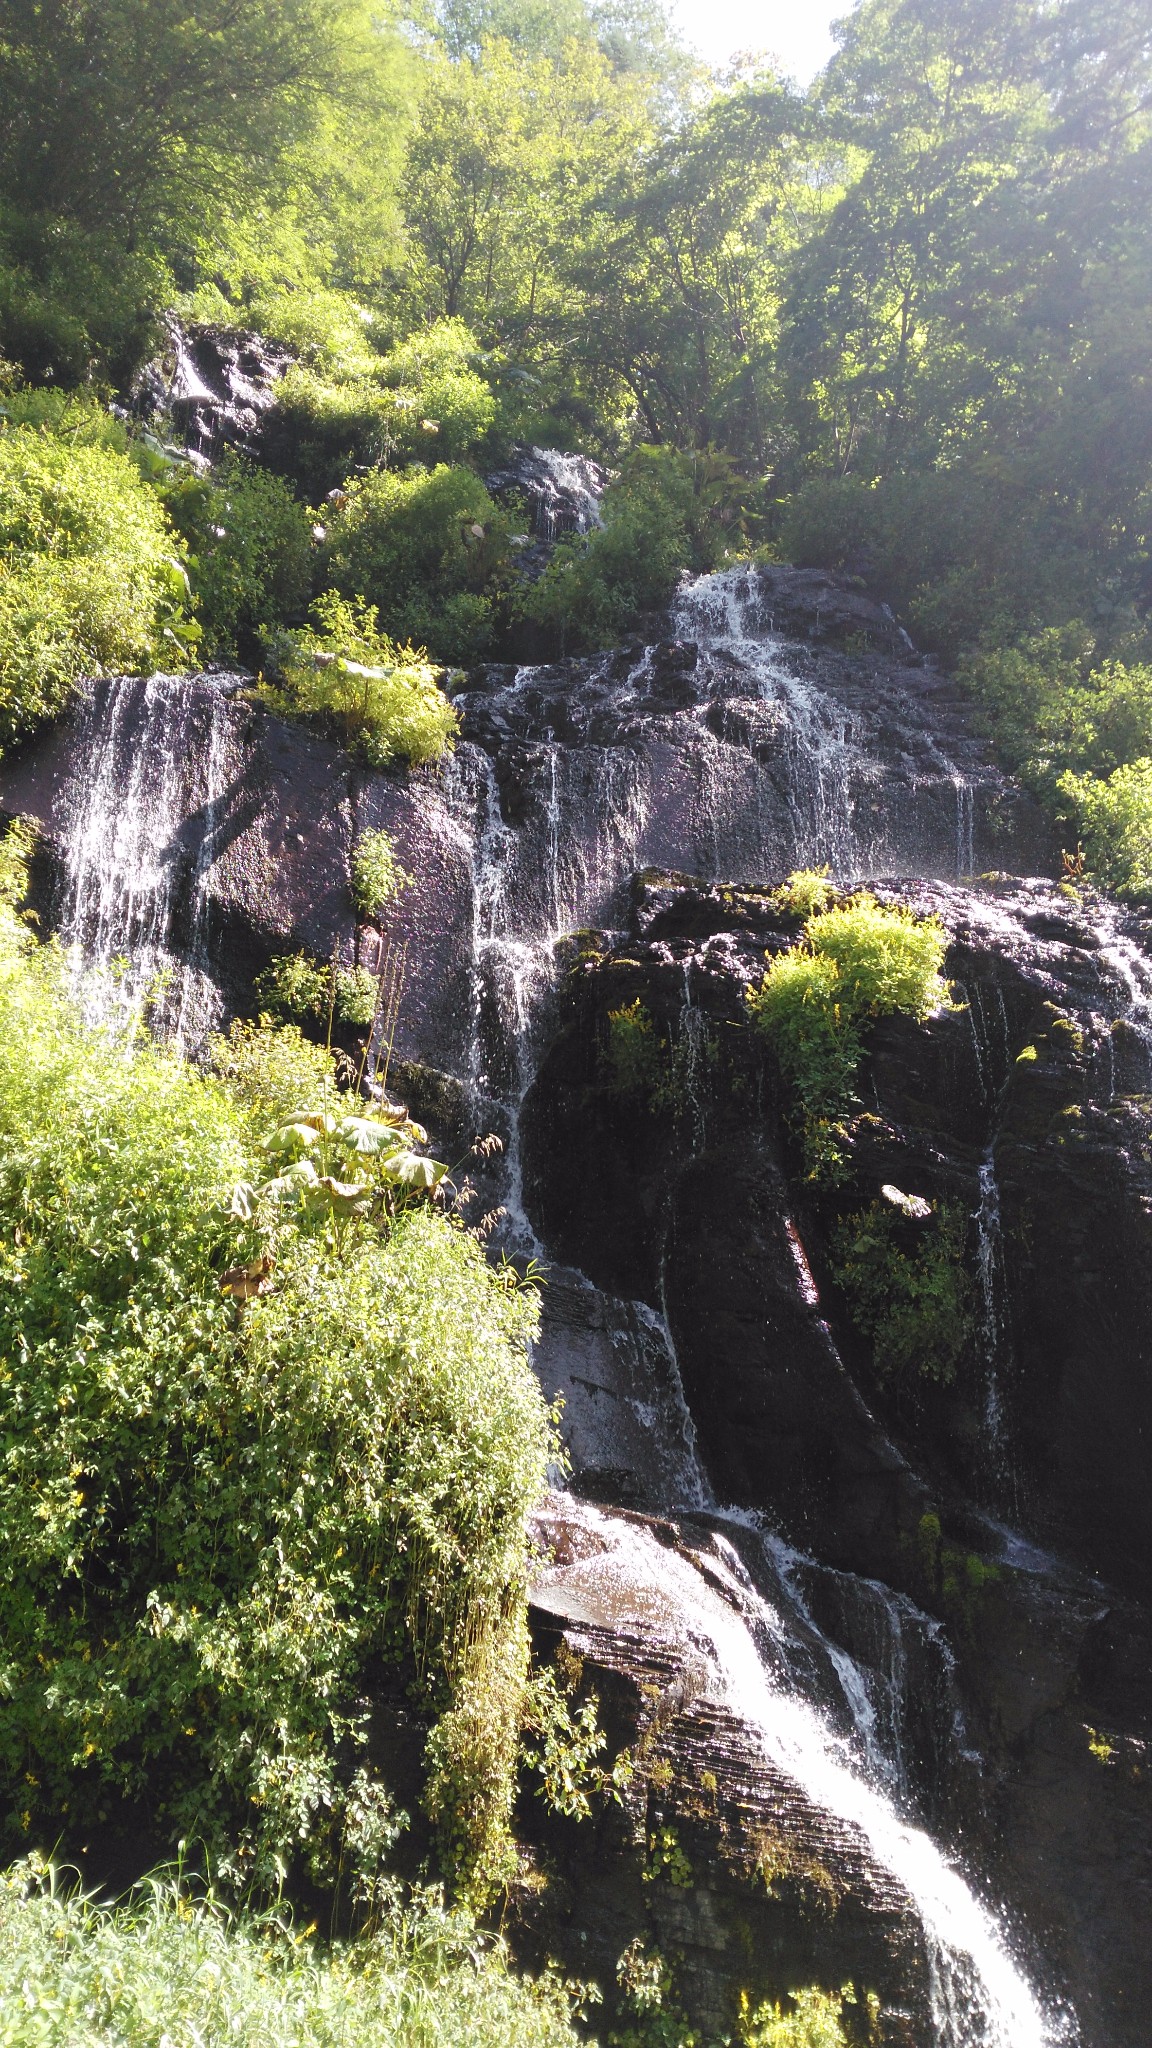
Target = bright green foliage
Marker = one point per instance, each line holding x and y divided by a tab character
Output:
429	550
249	548
377	876
167	1967
634	1054
293	985
383	699
806	891
1114	815
328	331
856	961
214	1519
907	1288
89	579
812	2019
439	397
269	1069
345	406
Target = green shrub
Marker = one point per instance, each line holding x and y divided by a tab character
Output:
812	2019
907	1288
1114	818
269	1069
220	1523
635	1057
293	985
344	407
377	876
89	580
250	550
855	961
169	1967
427	548
74	416
806	891
434	372
328	330
383	699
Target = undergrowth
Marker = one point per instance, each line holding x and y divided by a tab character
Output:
384	700
255	1456
166	1969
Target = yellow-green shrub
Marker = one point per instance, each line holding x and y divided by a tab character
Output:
384	699
219	1525
856	960
89	578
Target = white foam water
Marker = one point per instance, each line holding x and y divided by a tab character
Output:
979	1996
135	912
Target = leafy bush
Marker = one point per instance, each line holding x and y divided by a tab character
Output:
168	1967
89	579
907	1288
1114	815
635	1057
429	549
344	407
249	547
812	2019
855	961
328	330
293	985
270	1068
219	1525
806	891
76	416
377	876
434	372
382	698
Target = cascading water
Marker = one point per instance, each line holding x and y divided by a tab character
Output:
781	776
978	1996
139	845
582	816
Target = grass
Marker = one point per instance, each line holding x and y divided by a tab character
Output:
164	1970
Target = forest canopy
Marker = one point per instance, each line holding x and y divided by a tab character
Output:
894	324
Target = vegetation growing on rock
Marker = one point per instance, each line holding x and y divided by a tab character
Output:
855	961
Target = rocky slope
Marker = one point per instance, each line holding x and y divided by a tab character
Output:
864	1605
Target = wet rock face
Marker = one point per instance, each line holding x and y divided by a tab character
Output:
708	1855
210	387
673	1184
562	492
675	1178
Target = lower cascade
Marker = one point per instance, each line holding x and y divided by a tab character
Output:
704	765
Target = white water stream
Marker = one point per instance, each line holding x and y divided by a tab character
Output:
140	842
979	1997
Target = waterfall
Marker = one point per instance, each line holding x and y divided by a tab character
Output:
768	769
140	839
978	1996
583	814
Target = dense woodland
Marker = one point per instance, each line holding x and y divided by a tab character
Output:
895	325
